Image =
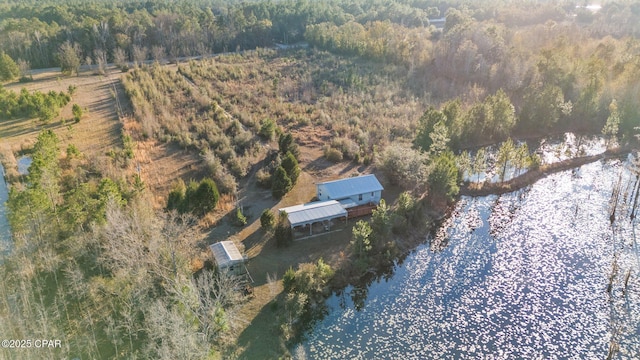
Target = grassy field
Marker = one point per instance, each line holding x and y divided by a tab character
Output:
98	130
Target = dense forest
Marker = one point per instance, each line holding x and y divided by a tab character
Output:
382	83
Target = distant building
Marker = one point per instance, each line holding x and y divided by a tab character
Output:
228	258
351	192
438	23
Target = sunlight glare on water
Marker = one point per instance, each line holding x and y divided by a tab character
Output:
523	275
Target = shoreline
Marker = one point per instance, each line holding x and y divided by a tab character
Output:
531	176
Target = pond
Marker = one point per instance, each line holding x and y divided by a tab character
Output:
23	164
5	231
521	275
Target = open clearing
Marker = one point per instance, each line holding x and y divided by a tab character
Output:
99	128
108	114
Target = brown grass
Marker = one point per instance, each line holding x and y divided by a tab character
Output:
160	164
99	128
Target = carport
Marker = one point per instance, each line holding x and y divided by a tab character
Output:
314	212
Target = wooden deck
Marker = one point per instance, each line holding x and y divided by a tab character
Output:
361	210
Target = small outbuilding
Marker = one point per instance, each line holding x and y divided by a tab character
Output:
351	192
228	258
314	212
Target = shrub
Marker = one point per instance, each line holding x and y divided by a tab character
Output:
241	220
198	198
263	178
77	112
403	165
346	146
333	155
127	143
267	219
72	151
289	280
176	197
226	182
267	129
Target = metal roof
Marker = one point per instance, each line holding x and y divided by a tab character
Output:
340	189
348	203
226	253
314	212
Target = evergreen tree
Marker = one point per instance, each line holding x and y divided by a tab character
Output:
503	116
443	179
286	144
206	197
361	240
44	158
176	197
283	233
290	165
76	110
439	139
479	163
280	183
610	129
426	125
289	280
9	70
267	219
464	162
506	155
381	222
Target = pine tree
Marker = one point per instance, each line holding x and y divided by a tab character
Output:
479	163
9	70
206	197
610	129
290	165
505	156
286	144
283	233
443	179
267	219
426	125
280	183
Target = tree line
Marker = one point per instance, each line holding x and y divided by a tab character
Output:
557	70
103	31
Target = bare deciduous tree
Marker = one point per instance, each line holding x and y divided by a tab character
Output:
139	54
100	57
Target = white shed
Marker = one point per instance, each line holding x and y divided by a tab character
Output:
351	192
228	257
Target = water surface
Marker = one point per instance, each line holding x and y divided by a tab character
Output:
5	231
522	275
